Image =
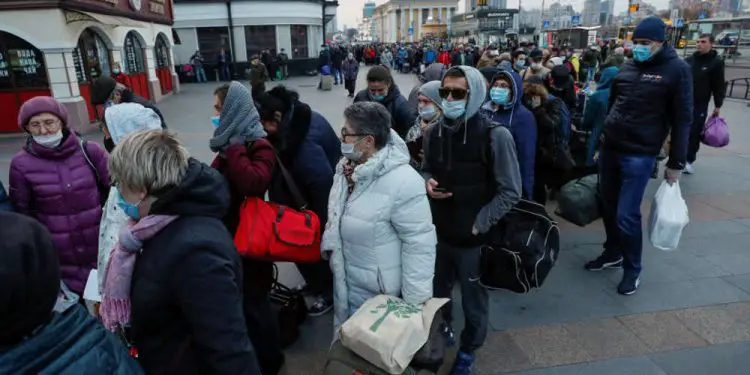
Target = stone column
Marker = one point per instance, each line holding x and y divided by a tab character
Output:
449	20
392	32
154	85
420	23
404	26
239	49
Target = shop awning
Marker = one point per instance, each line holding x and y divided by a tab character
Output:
81	16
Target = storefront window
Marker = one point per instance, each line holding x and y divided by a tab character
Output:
21	64
260	38
162	52
210	42
91	57
299	42
134	61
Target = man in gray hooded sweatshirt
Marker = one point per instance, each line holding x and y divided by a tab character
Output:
473	180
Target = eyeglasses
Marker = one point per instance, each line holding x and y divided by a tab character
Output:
49	125
344	134
457	94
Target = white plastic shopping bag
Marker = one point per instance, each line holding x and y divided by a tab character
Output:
669	216
387	331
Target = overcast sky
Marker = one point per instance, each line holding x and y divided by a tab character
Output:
351	10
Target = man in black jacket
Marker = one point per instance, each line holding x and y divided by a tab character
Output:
708	79
381	89
650	97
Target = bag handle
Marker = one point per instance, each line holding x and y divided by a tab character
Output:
292	185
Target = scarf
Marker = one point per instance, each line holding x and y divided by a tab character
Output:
115	307
349	173
239	119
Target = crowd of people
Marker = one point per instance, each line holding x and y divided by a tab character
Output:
406	195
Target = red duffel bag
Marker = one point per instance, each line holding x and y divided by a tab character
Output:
277	233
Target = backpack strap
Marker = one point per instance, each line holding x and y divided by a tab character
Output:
296	194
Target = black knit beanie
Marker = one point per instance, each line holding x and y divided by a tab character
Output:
29	277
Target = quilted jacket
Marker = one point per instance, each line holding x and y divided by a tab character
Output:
58	187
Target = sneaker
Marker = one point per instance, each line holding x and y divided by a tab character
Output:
628	285
604	261
464	364
320	306
689	168
450	337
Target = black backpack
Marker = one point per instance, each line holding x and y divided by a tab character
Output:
522	249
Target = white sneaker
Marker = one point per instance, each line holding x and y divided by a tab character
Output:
689	168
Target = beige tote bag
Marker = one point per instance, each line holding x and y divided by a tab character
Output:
387	331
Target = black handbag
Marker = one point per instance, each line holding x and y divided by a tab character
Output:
291	310
430	357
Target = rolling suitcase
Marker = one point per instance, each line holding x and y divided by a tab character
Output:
326	83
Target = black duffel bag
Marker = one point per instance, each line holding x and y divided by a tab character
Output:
522	249
578	201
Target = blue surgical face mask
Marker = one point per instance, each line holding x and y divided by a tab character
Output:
500	95
454	109
378	97
641	52
349	152
115	71
520	64
215	121
131	210
428	112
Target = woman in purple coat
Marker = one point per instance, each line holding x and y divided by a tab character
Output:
56	179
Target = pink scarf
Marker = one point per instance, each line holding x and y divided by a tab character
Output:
115	307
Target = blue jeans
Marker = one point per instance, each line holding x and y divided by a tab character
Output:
622	182
336	74
200	74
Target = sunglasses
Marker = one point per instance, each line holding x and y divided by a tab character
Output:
457	94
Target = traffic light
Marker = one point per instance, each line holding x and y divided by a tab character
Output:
634	8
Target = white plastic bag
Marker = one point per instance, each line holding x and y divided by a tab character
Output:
669	216
388	332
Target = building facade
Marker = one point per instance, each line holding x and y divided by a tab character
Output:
58	48
485	25
247	27
412	20
590	14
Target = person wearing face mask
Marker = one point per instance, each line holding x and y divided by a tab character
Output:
519	61
650	98
53	169
309	149
505	107
106	92
119	75
350	71
470	191
119	121
247	161
175	277
379	238
381	89
430	113
536	68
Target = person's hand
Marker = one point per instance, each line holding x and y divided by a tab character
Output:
431	184
474	230
672	175
717	111
596	156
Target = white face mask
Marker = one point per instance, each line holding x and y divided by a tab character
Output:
536	66
49	140
349	152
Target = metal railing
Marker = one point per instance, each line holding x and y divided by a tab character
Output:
738	88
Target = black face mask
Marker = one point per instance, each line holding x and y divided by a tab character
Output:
109	144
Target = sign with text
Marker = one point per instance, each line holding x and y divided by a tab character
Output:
157	11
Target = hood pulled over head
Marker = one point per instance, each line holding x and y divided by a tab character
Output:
126	118
477	89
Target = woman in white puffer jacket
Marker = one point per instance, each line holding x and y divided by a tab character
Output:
379	237
120	120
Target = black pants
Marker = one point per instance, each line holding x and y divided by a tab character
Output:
258	89
699	121
318	277
462	264
350	84
263	329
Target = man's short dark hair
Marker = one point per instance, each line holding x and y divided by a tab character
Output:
454	73
707	36
379	74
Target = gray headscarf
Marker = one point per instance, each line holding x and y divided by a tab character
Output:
238	119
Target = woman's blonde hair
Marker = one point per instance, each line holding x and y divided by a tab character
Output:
149	160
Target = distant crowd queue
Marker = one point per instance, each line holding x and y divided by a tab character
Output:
400	203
